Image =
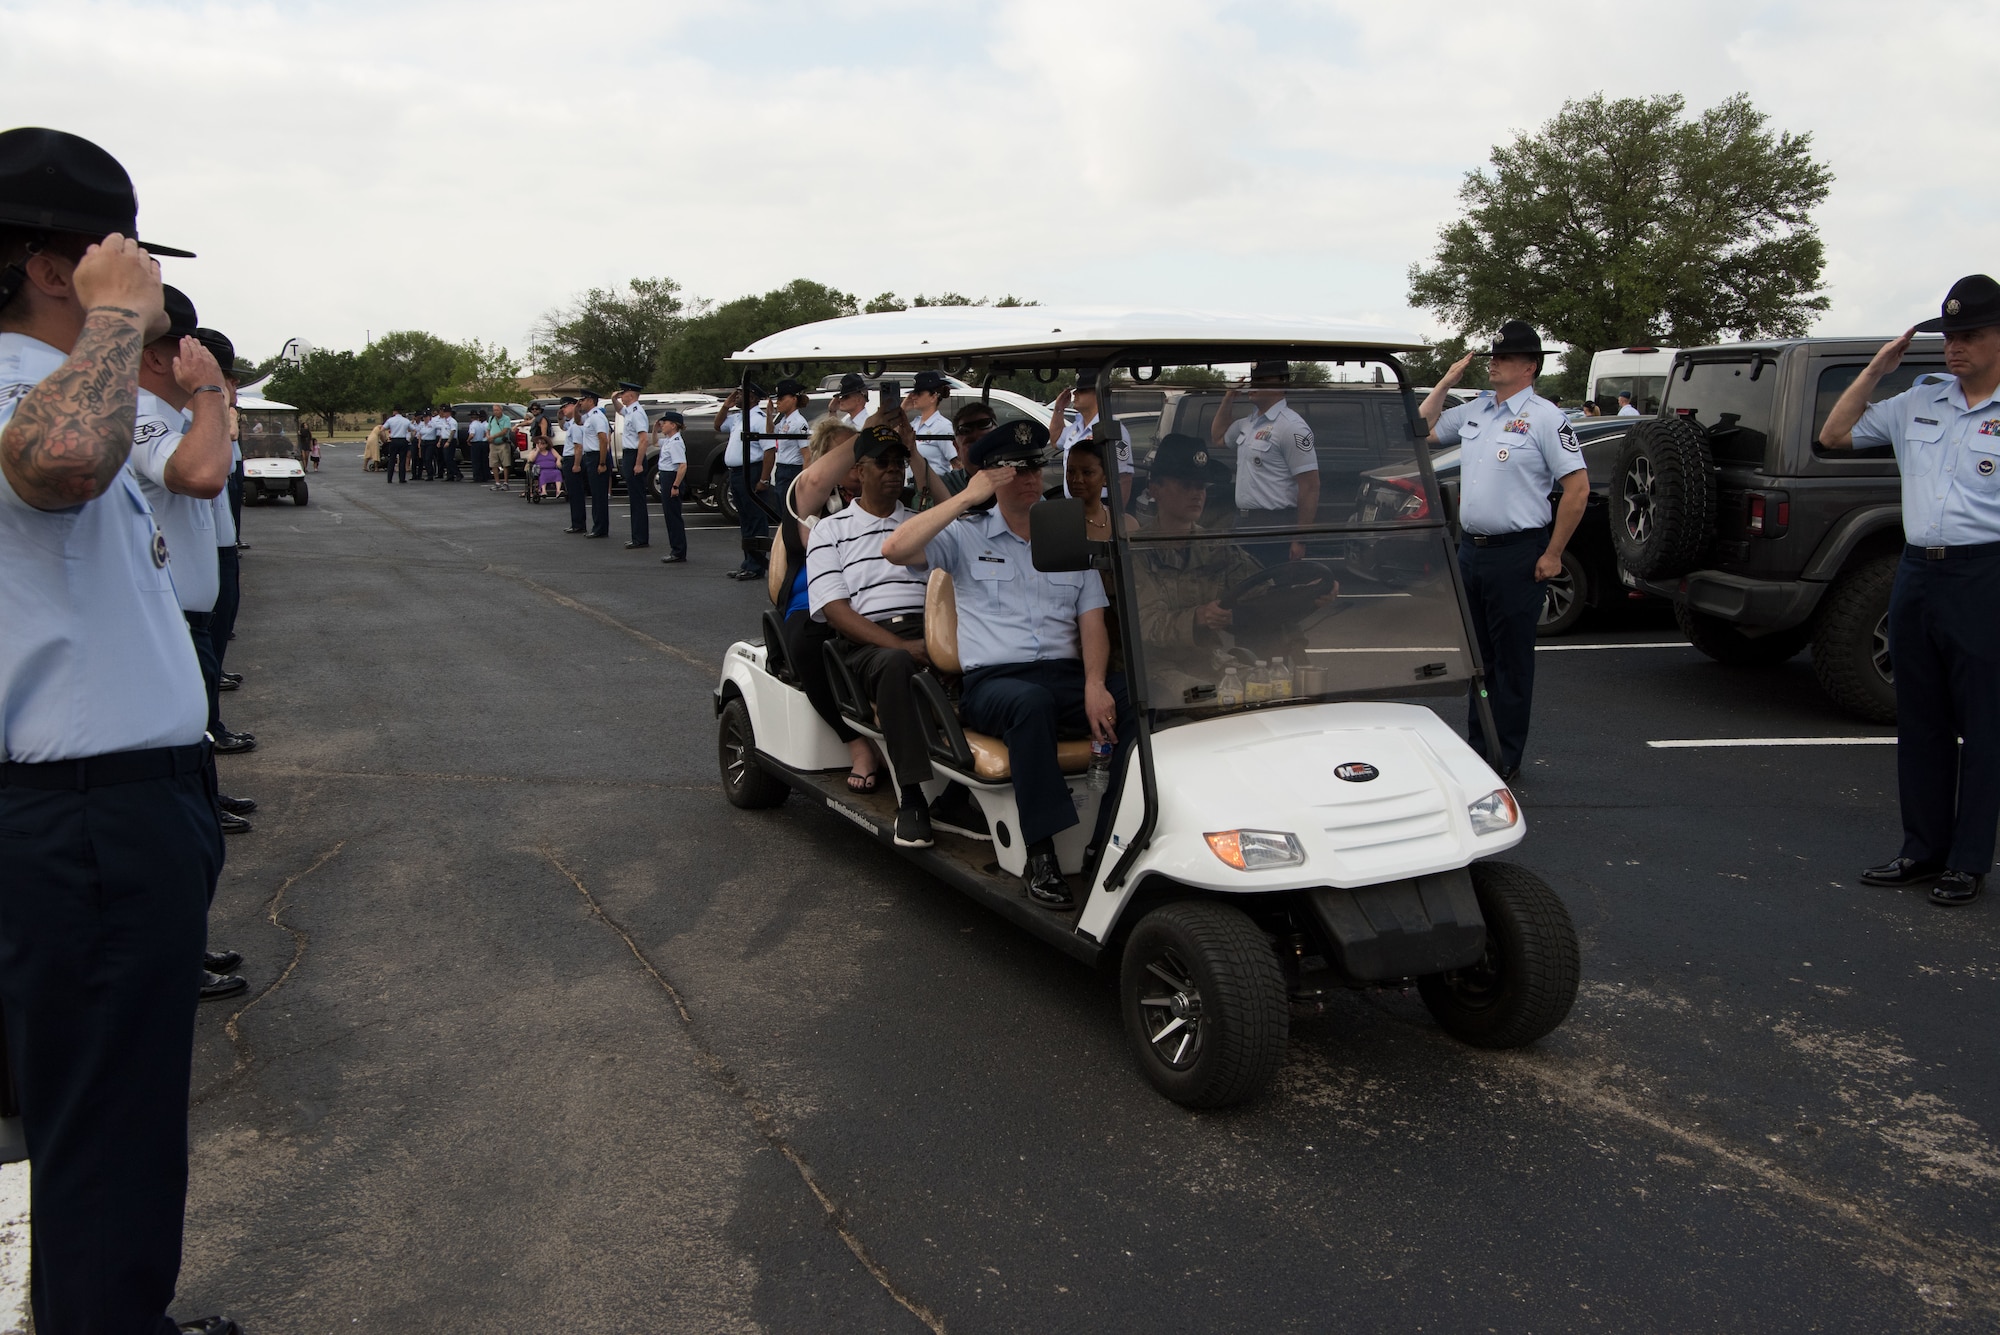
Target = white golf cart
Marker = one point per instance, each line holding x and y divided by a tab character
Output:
1280	831
268	433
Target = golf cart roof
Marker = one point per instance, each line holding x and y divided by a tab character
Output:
1067	335
263	405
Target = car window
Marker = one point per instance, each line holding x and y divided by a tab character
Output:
1734	400
1833	382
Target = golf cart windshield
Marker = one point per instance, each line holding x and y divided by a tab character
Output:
268	433
1240	605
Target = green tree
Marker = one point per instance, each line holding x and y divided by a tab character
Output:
1193	377
495	377
605	337
1627	222
324	385
1428	367
411	369
695	357
888	301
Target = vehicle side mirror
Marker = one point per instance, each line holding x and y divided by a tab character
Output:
1057	538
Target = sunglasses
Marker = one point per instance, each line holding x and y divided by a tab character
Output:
973	429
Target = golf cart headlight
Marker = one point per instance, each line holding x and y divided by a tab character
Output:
1494	812
1256	850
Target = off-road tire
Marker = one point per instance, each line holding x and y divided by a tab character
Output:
1663	499
1727	645
1525	983
1851	635
299	492
1244	1013
1566	598
744	782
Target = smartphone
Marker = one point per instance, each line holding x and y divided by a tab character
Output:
892	393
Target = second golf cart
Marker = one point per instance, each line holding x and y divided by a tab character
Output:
1289	822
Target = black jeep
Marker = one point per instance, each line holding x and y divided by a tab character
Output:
1766	541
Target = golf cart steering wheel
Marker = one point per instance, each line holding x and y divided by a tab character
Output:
1281	594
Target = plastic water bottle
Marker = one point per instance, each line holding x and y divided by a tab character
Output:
1281	679
1258	689
1099	776
1230	692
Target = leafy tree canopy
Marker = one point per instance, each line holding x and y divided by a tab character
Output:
605	336
324	385
412	369
694	356
1628	222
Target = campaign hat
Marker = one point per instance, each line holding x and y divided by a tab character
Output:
1086	380
634	386
930	382
1182	456
1972	303
789	386
181	317
851	383
1517	339
221	348
1275	371
1013	444
878	440
57	182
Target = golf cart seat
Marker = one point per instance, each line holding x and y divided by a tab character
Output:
953	745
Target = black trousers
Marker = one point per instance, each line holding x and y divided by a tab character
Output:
884	677
577	488
803	640
200	630
598	480
635	492
222	625
1944	636
1506	602
482	461
103	916
396	461
236	499
448	456
751	521
670	510
1023	704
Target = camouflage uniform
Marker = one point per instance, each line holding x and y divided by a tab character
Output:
1172	580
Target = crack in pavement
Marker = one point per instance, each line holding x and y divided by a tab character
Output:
761	1115
273	907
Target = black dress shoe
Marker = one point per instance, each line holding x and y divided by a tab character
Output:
1512	776
236	806
572	530
220	961
1955	889
211	1325
1901	871
635	546
673	560
913	825
1046	885
229	743
233	823
216	986
233	678
225	684
597	535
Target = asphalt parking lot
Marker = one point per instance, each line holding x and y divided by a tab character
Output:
542	1034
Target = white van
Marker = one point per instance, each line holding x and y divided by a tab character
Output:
1640	372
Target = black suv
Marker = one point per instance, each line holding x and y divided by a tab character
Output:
1766	541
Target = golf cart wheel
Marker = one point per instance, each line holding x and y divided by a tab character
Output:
1851	641
744	781
299	492
1565	598
1663	499
1524	983
1204	1003
1731	647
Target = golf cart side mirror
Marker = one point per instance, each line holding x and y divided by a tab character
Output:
1057	539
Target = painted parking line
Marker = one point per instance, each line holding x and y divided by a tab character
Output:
1637	644
14	1249
1703	743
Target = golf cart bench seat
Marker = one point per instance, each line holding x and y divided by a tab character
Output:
953	744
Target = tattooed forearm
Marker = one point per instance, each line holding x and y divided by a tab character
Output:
73	431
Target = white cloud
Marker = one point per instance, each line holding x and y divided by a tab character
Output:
462	167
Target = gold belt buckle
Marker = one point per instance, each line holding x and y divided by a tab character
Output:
1935	553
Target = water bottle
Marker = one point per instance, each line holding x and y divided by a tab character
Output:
1099	777
1281	679
1258	689
1230	692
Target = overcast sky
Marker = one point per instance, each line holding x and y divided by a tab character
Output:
461	167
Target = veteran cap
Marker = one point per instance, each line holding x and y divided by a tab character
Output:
59	182
1018	444
1972	303
876	441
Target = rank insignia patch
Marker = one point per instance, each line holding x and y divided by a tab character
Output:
1567	435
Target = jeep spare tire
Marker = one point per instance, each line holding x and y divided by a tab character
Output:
1663	499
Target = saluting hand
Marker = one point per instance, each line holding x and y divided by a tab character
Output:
983	484
1451	377
195	365
117	273
1890	356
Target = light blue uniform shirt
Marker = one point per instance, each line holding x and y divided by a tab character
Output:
398	427
188	521
1949	454
94	653
1512	453
591	426
1008	611
733	454
631	426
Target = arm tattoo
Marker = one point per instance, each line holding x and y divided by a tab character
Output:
73	431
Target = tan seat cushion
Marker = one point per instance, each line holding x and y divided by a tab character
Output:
941	622
990	761
777	579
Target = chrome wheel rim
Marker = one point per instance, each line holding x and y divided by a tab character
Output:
1170	1006
1639	499
1878	651
1558	597
735	757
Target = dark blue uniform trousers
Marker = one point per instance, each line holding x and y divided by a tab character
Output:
751	521
1944	638
636	474
103	909
577	490
599	482
670	510
1506	602
230	596
1023	704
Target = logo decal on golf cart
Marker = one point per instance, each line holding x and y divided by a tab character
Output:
1355	771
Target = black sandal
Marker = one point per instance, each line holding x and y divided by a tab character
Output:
857	782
